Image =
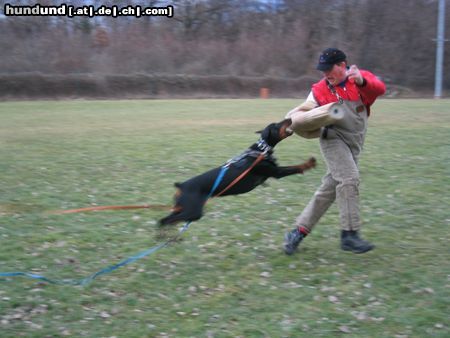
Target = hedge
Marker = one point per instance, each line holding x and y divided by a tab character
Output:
37	85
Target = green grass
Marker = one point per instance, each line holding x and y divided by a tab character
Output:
228	276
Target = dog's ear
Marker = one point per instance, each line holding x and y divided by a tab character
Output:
177	185
259	131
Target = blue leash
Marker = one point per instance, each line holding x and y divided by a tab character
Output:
90	278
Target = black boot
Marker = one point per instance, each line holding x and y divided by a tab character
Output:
350	241
293	238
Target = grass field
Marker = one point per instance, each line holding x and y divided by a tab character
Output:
228	276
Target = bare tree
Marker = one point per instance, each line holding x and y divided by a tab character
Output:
279	38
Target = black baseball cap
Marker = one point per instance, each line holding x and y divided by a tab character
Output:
329	57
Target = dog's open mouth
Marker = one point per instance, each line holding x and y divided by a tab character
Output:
285	131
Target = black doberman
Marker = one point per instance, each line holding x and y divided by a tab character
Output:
192	194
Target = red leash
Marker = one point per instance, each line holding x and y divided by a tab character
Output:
113	207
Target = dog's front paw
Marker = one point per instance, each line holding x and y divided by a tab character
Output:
312	162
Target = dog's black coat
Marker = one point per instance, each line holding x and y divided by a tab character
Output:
192	194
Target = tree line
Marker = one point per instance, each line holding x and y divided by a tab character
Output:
272	38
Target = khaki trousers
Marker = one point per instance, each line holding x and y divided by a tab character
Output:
340	148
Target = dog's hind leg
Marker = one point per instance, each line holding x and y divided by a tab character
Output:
189	207
183	216
174	217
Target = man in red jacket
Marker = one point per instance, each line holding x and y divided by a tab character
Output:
341	145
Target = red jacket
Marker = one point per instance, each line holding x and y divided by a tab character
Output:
372	88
